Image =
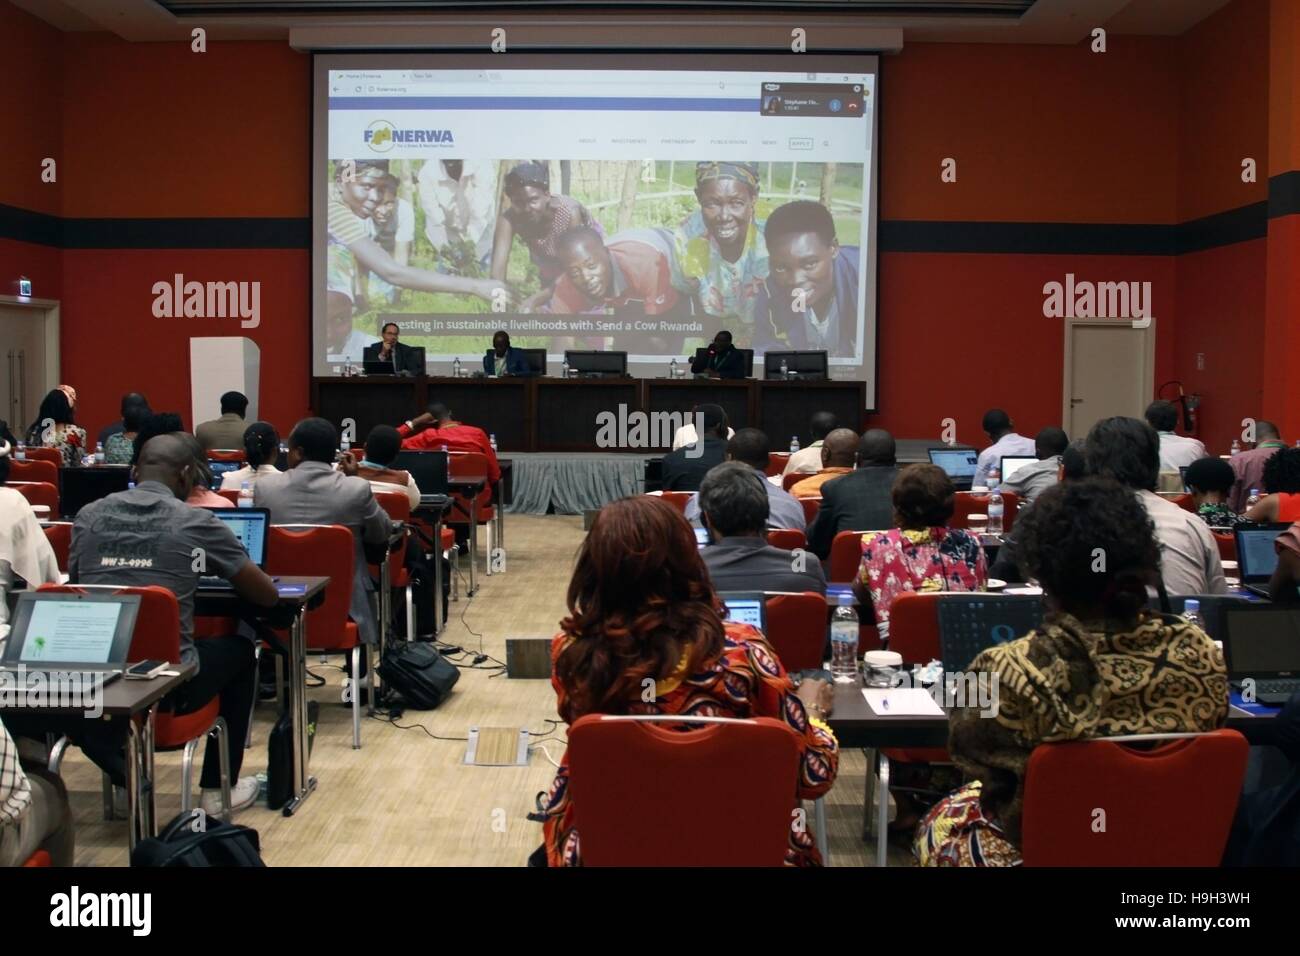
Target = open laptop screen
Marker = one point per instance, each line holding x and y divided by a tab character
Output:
1262	641
1013	463
957	462
1256	556
72	629
250	527
745	608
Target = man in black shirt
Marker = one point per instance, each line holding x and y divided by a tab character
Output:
684	469
721	360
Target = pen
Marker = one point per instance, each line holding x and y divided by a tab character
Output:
884	702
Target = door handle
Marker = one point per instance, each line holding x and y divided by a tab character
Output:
1076	401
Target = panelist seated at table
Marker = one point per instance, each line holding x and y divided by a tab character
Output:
436	430
403	359
721	359
145	536
502	360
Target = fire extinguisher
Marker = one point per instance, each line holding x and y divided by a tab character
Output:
1189	405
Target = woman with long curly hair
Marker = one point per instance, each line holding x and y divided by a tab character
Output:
642	609
1100	665
54	426
1282	484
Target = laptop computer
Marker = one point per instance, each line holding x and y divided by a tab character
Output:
1010	464
251	526
429	469
1261	643
1256	556
701	538
220	469
958	463
54	633
972	623
746	607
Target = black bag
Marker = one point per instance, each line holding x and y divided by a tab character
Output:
421	569
279	755
216	844
418	672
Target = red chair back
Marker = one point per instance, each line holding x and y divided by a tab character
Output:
966	503
788	538
230	494
398	507
465	463
1227	543
810	508
1168	806
647	794
157	635
39	493
52	455
776	463
228	454
319	550
796	629
677	499
34	470
1184	501
789	481
59	534
846	556
914	627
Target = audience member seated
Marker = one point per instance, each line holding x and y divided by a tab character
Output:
734	506
1284	586
839	453
1128	451
1248	467
1100	666
382	446
261	444
750	447
1210	481
808	460
684	469
1033	479
34	811
312	492
1282	487
861	500
202	495
152	521
920	554
641	609
686	434
54	428
25	552
1176	451
228	430
116	428
119	449
436	430
155	423
1001	431
1007	565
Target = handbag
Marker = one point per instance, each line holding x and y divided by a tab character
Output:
419	674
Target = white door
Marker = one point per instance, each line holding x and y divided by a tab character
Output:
1109	370
22	365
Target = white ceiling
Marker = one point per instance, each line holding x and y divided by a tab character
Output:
970	21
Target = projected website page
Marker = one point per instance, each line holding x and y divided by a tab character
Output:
639	211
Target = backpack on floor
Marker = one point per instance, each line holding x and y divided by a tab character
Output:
418	672
196	839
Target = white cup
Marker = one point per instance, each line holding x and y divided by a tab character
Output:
977	522
881	667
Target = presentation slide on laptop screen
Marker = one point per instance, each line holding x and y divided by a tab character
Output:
70	632
957	463
745	611
249	529
653	207
1258	555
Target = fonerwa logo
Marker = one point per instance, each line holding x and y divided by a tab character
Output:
381	136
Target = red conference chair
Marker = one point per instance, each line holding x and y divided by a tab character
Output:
465	463
810	508
39	858
39	493
789	481
678	499
1172	805
230	494
59	534
788	538
846	556
52	455
157	637
398	507
1227	544
645	794
325	550
228	454
34	470
1184	501
966	503
776	463
796	629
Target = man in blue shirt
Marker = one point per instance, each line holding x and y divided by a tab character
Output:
750	446
502	360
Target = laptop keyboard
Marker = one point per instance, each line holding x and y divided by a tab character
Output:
1276	691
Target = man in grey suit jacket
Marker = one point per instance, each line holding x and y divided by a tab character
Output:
862	500
312	492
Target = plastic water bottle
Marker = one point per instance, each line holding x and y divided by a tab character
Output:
455	368
130	485
245	495
1192	613
995	508
564	368
344	446
785	369
1253	499
844	642
672	368
1236	448
20	453
99	452
492	440
794	444
284	448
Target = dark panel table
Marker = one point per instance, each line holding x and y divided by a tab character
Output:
369	401
499	406
784	408
568	412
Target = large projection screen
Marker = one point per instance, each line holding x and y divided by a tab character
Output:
595	201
